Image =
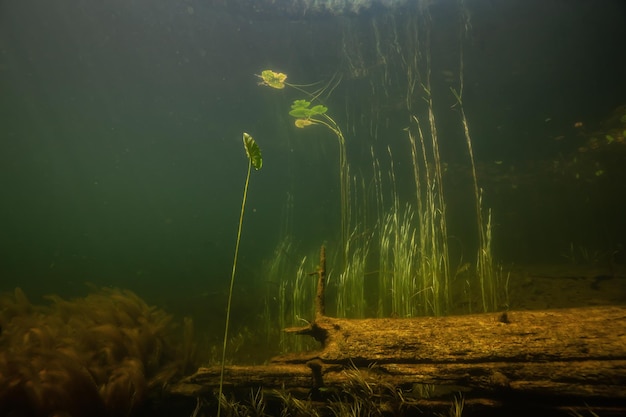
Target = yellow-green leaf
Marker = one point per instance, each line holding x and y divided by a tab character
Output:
253	151
273	79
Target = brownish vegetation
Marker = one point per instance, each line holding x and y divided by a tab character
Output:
100	355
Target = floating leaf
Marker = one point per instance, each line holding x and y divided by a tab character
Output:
253	151
300	113
319	109
300	104
273	79
301	110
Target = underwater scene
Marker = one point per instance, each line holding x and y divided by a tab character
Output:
312	208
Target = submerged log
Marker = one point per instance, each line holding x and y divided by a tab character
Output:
523	336
553	359
560	358
571	351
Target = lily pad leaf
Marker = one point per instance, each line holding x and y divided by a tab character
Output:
301	110
319	109
273	79
300	104
253	151
300	113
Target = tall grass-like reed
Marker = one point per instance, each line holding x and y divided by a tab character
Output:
439	236
302	294
276	270
378	185
413	260
434	263
296	307
282	314
405	237
290	294
403	285
350	296
485	268
484	261
431	262
385	266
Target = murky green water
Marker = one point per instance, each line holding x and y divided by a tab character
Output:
122	162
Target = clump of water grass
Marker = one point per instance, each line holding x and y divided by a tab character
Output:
350	286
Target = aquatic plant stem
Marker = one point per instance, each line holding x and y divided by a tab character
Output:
484	263
344	182
230	291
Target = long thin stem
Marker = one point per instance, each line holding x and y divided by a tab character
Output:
484	261
344	182
230	291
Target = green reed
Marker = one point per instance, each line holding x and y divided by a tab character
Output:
289	296
403	242
350	286
485	267
434	264
297	306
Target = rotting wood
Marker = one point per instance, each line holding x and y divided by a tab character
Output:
578	352
519	336
569	356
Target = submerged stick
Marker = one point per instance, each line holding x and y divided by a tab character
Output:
313	329
320	302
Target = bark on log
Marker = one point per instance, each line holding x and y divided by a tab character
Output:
525	336
570	356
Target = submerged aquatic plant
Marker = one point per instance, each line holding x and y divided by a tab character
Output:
309	114
303	112
254	160
102	354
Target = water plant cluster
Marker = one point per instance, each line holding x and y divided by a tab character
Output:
107	353
359	396
392	255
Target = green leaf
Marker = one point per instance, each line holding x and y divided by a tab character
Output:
300	104
253	151
300	113
300	109
273	79
319	109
